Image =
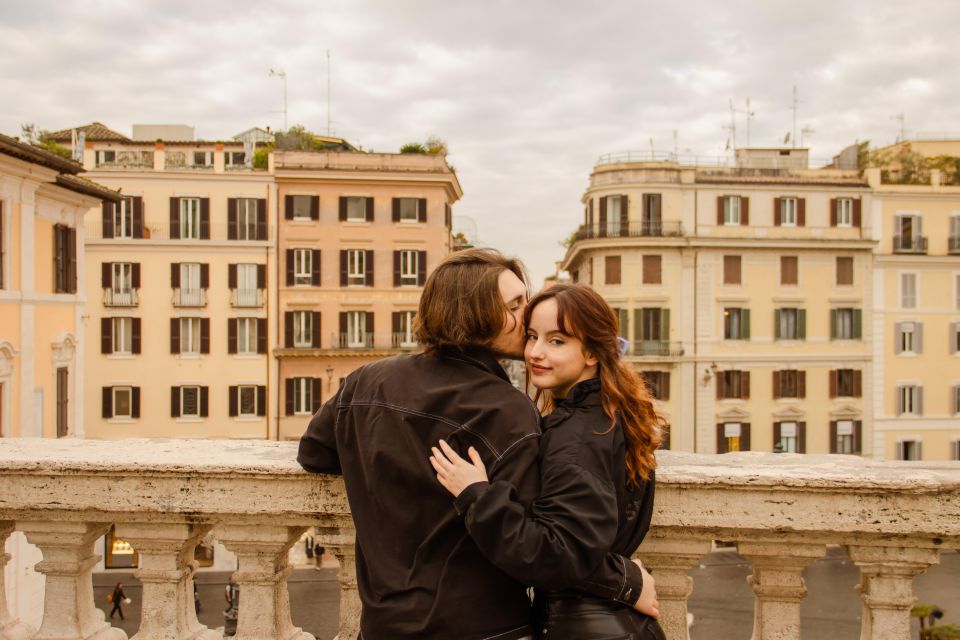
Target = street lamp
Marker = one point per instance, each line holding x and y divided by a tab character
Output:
329	371
282	74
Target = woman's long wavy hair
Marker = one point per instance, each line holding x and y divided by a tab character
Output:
584	315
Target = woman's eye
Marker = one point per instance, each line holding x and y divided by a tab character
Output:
556	341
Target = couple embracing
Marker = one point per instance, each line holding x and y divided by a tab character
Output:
463	496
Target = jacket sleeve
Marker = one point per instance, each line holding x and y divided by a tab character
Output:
318	446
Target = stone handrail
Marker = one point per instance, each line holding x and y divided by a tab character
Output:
163	496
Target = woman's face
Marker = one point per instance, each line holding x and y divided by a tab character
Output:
556	361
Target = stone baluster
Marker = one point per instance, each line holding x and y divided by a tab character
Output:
10	628
778	585
886	587
166	571
68	560
263	567
669	555
341	541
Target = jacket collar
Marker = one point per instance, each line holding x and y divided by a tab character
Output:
583	394
477	356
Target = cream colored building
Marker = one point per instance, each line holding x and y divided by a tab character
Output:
359	232
744	293
43	201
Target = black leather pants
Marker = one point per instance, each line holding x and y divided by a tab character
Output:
588	618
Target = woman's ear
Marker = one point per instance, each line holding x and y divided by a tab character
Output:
589	359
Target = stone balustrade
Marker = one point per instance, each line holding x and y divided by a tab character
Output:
163	496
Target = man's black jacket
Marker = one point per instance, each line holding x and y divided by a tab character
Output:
419	573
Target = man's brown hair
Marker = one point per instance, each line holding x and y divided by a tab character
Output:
461	303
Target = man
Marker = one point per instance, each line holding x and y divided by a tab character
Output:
419	573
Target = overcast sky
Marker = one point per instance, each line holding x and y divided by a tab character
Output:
526	94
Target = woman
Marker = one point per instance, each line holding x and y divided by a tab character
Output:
117	598
596	463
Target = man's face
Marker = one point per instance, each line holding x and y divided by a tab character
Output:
509	343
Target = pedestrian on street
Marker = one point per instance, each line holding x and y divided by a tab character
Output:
117	598
318	552
196	598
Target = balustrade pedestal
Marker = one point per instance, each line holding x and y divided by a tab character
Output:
10	628
341	541
669	555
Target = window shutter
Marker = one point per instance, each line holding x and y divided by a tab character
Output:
288	329
745	385
421	268
135	402
261	335
919	400
288	207
745	436
174	402
801	212
343	327
288	396
611	268
744	211
107	219
204	218
106	274
833	383
833	436
261	218
897	338
71	260
801	384
231	335
314	207
261	276
204	402
623	318
721	439
590	216
396	268
833	324
233	401
106	335
315	394
776	324
231	218
369	210
343	267
665	325
261	400
421	210
602	231
290	267
315	267
231	276
777	211
447	215
857	324
900	392
857	216
396	318
175	275
315	338
952	338
638	325
369	326
745	324
368	263
395	207
135	338
802	324
857	383
918	337
776	388
664	385
204	335
174	335
858	437
343	209
204	275
721	386
624	216
137	217
135	275
776	435
833	212
720	210
107	403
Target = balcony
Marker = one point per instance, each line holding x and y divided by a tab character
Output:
403	340
633	229
953	245
128	298
661	348
189	297
124	160
909	244
362	340
780	510
247	298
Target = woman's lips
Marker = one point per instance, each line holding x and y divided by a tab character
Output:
538	369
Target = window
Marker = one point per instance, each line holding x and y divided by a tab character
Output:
247	219
234	158
203	158
790	324
844	271
247	401
731	210
63	401
848	384
247	283
302	207
123	218
122	279
955	396
302	329
955	450
845	324
652	270
614	209
122	335
403	329
302	266
190	218
409	267
658	383
788	212
788	438
733	436
908	290
789	383
908	236
611	270
189	283
789	270
909	337
356	267
652	325
409	209
356	329
844	212
122	402
246	335
736	324
190	335
733	385
844	440
356	209
909	400
190	402
302	395
65	259
909	450
731	269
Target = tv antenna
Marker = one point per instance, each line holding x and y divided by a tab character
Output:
282	75
793	107
900	123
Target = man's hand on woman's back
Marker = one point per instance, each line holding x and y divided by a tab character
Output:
647	603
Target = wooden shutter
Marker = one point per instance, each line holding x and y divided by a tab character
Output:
315	267
368	265
231	218
288	396
290	267
135	275
204	218
137	217
204	275
721	385
858	437
135	339
174	402
288	329
231	335
833	212
174	335
343	208
395	208
343	267
624	216
71	260
611	269
721	439
801	212
833	436
602	231
745	324
776	435
776	388
834	375
801	324
745	385
107	402
107	219
801	437
231	276
421	268
204	402
175	275
720	200
732	270
421	210
315	322
652	270
261	400
918	400
261	335
261	218
233	401
857	217
368	322
858	324
777	212
664	325
396	268
135	402
801	384
776	324
590	218
744	211
261	276
368	210
316	394
833	324
288	207
745	436
343	329
664	385
857	383
314	207
106	274
106	335
204	335
447	215
396	320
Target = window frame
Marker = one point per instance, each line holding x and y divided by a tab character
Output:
190	218
788	211
303	212
786	313
240	392
246	336
913	299
356	267
121	278
614	214
115	394
122	336
795	438
845	441
356	329
907	338
247	218
183	401
123	218
729	313
852	263
911	446
844	212
191	330
406	328
302	329
413	215
302	267
355	204
302	396
848	313
732	215
409	265
733	440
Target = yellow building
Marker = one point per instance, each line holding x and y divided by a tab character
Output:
43	202
358	234
743	292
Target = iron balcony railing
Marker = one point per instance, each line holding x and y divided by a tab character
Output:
348	340
127	298
247	297
189	297
403	340
657	348
909	244
953	245
633	229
